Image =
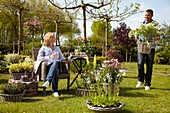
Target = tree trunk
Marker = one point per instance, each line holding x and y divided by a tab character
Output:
126	55
84	24
106	37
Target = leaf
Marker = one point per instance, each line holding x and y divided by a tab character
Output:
94	62
87	60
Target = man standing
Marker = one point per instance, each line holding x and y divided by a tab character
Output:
148	57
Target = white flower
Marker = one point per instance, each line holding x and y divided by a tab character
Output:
88	80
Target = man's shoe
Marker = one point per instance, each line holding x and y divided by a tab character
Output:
46	84
139	84
147	88
56	94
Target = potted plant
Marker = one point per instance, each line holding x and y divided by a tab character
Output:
107	88
22	68
88	78
108	76
84	46
12	92
104	102
13	58
147	34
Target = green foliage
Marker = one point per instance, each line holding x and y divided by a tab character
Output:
13	58
89	74
28	50
161	56
100	59
2	66
86	49
5	48
43	12
109	73
103	99
98	29
157	99
20	67
146	31
93	73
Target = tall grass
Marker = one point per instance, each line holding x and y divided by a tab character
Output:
157	100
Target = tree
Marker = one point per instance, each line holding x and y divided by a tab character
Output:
114	13
162	56
39	10
16	7
64	21
165	40
84	6
121	39
98	36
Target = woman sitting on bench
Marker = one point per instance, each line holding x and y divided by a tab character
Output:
50	53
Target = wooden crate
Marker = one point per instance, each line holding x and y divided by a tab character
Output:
31	87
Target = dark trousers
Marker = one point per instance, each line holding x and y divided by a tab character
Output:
149	58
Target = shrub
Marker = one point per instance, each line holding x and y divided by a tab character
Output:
20	67
113	53
162	56
3	66
13	58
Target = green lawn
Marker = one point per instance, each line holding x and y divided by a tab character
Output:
157	100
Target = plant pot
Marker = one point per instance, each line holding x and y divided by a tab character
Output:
144	47
104	109
12	97
84	92
111	88
17	75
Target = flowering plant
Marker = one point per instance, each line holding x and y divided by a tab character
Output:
13	88
89	74
110	72
146	32
87	48
93	74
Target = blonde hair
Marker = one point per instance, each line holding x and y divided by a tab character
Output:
47	38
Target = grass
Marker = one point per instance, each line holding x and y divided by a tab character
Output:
157	100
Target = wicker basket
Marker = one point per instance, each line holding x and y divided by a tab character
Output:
17	76
12	97
144	47
104	109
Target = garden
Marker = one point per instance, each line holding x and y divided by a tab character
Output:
156	100
106	76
